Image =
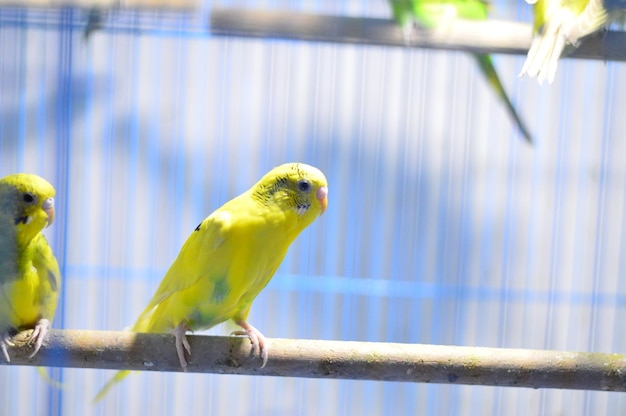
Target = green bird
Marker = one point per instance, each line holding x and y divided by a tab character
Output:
412	14
29	273
558	27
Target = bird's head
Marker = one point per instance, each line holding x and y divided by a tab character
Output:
295	187
26	203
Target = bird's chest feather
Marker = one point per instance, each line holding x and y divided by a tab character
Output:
18	304
28	289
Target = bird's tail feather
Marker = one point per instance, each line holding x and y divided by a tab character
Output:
49	380
544	54
141	325
119	376
489	71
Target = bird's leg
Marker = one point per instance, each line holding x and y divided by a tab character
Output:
3	346
181	342
256	339
407	33
39	333
5	340
411	31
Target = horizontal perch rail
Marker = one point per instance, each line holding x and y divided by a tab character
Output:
332	359
490	36
184	5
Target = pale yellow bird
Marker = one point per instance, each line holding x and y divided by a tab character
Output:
560	25
231	256
29	273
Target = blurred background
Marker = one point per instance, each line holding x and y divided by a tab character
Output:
443	227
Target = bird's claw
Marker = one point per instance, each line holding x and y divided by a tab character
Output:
35	338
5	341
259	344
38	335
182	344
3	347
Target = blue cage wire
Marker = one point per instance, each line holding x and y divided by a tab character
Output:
443	227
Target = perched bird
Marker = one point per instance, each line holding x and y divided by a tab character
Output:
558	27
231	256
414	14
29	273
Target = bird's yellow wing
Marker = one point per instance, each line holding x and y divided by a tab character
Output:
49	277
198	262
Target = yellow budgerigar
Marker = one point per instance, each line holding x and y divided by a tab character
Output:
231	256
29	273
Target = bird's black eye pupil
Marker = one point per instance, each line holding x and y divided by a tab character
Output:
304	185
29	198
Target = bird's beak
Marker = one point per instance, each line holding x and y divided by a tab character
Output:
48	207
322	196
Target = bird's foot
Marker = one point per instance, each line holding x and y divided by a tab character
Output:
182	344
259	344
5	341
38	335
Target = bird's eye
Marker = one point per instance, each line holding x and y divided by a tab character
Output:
28	198
304	185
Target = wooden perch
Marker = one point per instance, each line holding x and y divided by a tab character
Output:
490	36
333	360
